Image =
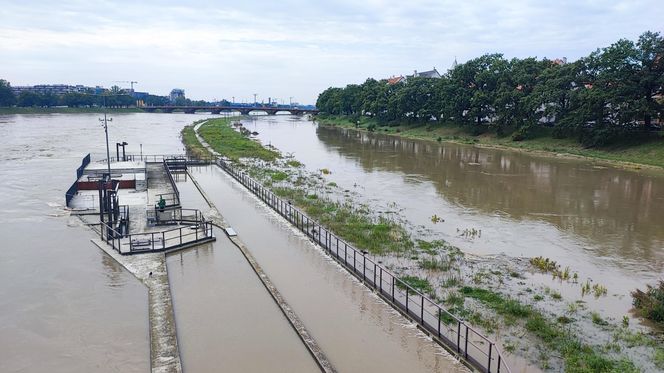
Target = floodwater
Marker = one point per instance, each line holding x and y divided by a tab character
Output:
601	221
357	331
64	305
226	320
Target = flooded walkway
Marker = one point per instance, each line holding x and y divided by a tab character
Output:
357	330
226	320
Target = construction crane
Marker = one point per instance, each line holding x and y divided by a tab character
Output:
131	82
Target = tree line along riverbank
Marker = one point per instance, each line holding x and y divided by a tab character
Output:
565	340
609	104
64	110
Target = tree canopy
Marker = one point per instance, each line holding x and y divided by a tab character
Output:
613	93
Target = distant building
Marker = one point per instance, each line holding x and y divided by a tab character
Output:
560	61
396	79
431	74
454	64
175	94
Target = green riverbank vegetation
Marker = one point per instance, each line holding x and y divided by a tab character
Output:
520	322
650	303
609	104
65	110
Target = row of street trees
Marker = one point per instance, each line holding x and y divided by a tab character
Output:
114	97
613	94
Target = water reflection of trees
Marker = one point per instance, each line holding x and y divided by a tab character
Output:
616	208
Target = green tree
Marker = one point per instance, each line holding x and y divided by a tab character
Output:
27	99
7	97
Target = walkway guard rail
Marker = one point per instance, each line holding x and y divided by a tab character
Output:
73	189
199	231
173	216
447	329
157	158
175	201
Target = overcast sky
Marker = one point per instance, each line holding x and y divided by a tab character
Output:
284	48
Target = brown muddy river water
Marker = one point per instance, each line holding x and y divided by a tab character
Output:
65	306
601	221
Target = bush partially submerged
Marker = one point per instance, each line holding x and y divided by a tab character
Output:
650	303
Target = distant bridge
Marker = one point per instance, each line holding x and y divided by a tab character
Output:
244	110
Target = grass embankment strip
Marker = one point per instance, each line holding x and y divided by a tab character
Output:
194	147
578	356
230	143
650	153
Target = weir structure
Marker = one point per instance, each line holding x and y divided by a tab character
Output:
191	228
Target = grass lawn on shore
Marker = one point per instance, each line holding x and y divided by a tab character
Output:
650	153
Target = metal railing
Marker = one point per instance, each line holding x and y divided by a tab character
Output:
73	189
174	198
173	216
447	329
200	231
158	158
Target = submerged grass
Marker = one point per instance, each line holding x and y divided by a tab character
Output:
377	235
578	357
417	283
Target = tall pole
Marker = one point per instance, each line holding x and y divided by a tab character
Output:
108	152
232	103
255	94
290	101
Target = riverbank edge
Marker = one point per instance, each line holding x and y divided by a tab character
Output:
401	132
65	110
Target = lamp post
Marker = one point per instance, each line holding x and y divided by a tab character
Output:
105	124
